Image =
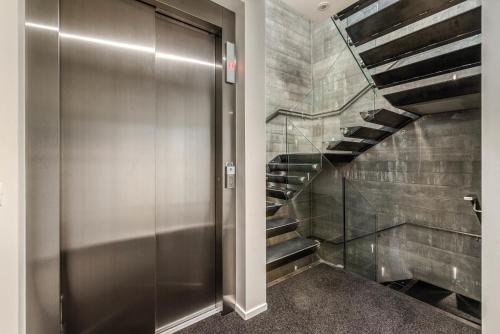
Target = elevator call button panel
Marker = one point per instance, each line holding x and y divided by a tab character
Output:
230	173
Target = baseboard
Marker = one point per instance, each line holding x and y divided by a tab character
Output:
246	315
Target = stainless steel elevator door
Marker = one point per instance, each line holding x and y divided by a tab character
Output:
108	166
185	222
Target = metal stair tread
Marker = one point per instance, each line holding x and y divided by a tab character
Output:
441	64
345	145
363	132
278	226
288	248
272	208
395	16
354	8
341	156
444	32
286	179
277	192
452	95
273	223
283	166
388	118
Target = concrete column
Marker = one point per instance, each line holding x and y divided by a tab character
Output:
491	168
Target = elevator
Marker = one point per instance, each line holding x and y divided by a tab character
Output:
145	125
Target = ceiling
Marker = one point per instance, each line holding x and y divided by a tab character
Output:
309	8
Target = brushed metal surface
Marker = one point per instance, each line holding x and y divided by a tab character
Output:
226	108
185	223
108	166
204	10
42	167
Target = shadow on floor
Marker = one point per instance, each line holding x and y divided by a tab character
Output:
328	300
446	300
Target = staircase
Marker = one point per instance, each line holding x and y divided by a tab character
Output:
287	176
423	56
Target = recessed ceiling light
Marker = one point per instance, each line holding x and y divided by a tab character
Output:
322	6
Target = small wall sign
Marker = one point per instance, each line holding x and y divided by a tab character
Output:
230	63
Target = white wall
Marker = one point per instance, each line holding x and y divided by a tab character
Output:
10	165
491	168
250	161
250	156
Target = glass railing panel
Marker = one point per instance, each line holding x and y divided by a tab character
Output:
392	257
361	256
337	75
360	215
360	219
439	267
304	162
302	156
340	28
327	219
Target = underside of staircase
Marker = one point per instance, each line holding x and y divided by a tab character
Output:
423	56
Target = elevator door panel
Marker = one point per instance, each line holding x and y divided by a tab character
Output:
185	76
108	166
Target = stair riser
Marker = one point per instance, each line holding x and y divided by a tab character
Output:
349	146
290	268
271	211
290	258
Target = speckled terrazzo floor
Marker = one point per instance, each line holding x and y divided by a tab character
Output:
328	300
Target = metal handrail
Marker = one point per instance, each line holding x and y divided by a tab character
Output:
339	111
369	87
472	235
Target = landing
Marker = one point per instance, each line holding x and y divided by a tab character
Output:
327	300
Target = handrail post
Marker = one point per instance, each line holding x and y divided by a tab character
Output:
344	222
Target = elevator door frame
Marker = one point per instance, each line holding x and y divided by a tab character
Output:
43	160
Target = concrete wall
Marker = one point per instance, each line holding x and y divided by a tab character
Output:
288	71
336	76
288	59
420	176
491	166
11	164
